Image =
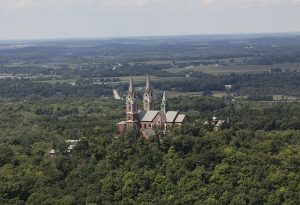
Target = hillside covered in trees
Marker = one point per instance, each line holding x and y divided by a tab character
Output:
254	162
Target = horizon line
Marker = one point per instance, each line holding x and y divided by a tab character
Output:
149	36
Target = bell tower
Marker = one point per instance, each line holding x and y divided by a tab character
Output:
131	106
148	98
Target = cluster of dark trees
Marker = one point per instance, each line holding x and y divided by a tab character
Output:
26	89
186	167
257	87
247	115
246	164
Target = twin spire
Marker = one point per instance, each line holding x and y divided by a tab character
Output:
147	83
130	89
148	97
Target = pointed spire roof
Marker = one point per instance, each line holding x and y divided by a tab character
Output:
164	99
164	103
148	83
130	89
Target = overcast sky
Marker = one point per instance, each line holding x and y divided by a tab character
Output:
37	19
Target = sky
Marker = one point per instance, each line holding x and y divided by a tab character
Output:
50	19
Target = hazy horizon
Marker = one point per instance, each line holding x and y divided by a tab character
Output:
92	19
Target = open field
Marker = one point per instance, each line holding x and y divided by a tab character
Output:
53	81
218	69
173	94
284	98
166	62
143	78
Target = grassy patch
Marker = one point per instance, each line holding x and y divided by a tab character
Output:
218	69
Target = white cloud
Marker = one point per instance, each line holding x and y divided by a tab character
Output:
29	4
90	18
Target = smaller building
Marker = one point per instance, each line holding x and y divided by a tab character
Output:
228	87
52	153
71	145
217	124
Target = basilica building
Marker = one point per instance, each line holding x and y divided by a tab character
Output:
148	118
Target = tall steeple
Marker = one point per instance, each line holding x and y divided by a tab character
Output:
148	98
148	83
130	89
164	103
131	104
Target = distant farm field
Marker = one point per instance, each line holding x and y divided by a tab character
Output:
143	78
219	69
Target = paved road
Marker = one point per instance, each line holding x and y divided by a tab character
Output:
116	95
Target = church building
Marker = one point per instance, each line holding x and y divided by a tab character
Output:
148	118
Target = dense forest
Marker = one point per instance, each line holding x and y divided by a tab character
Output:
254	162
